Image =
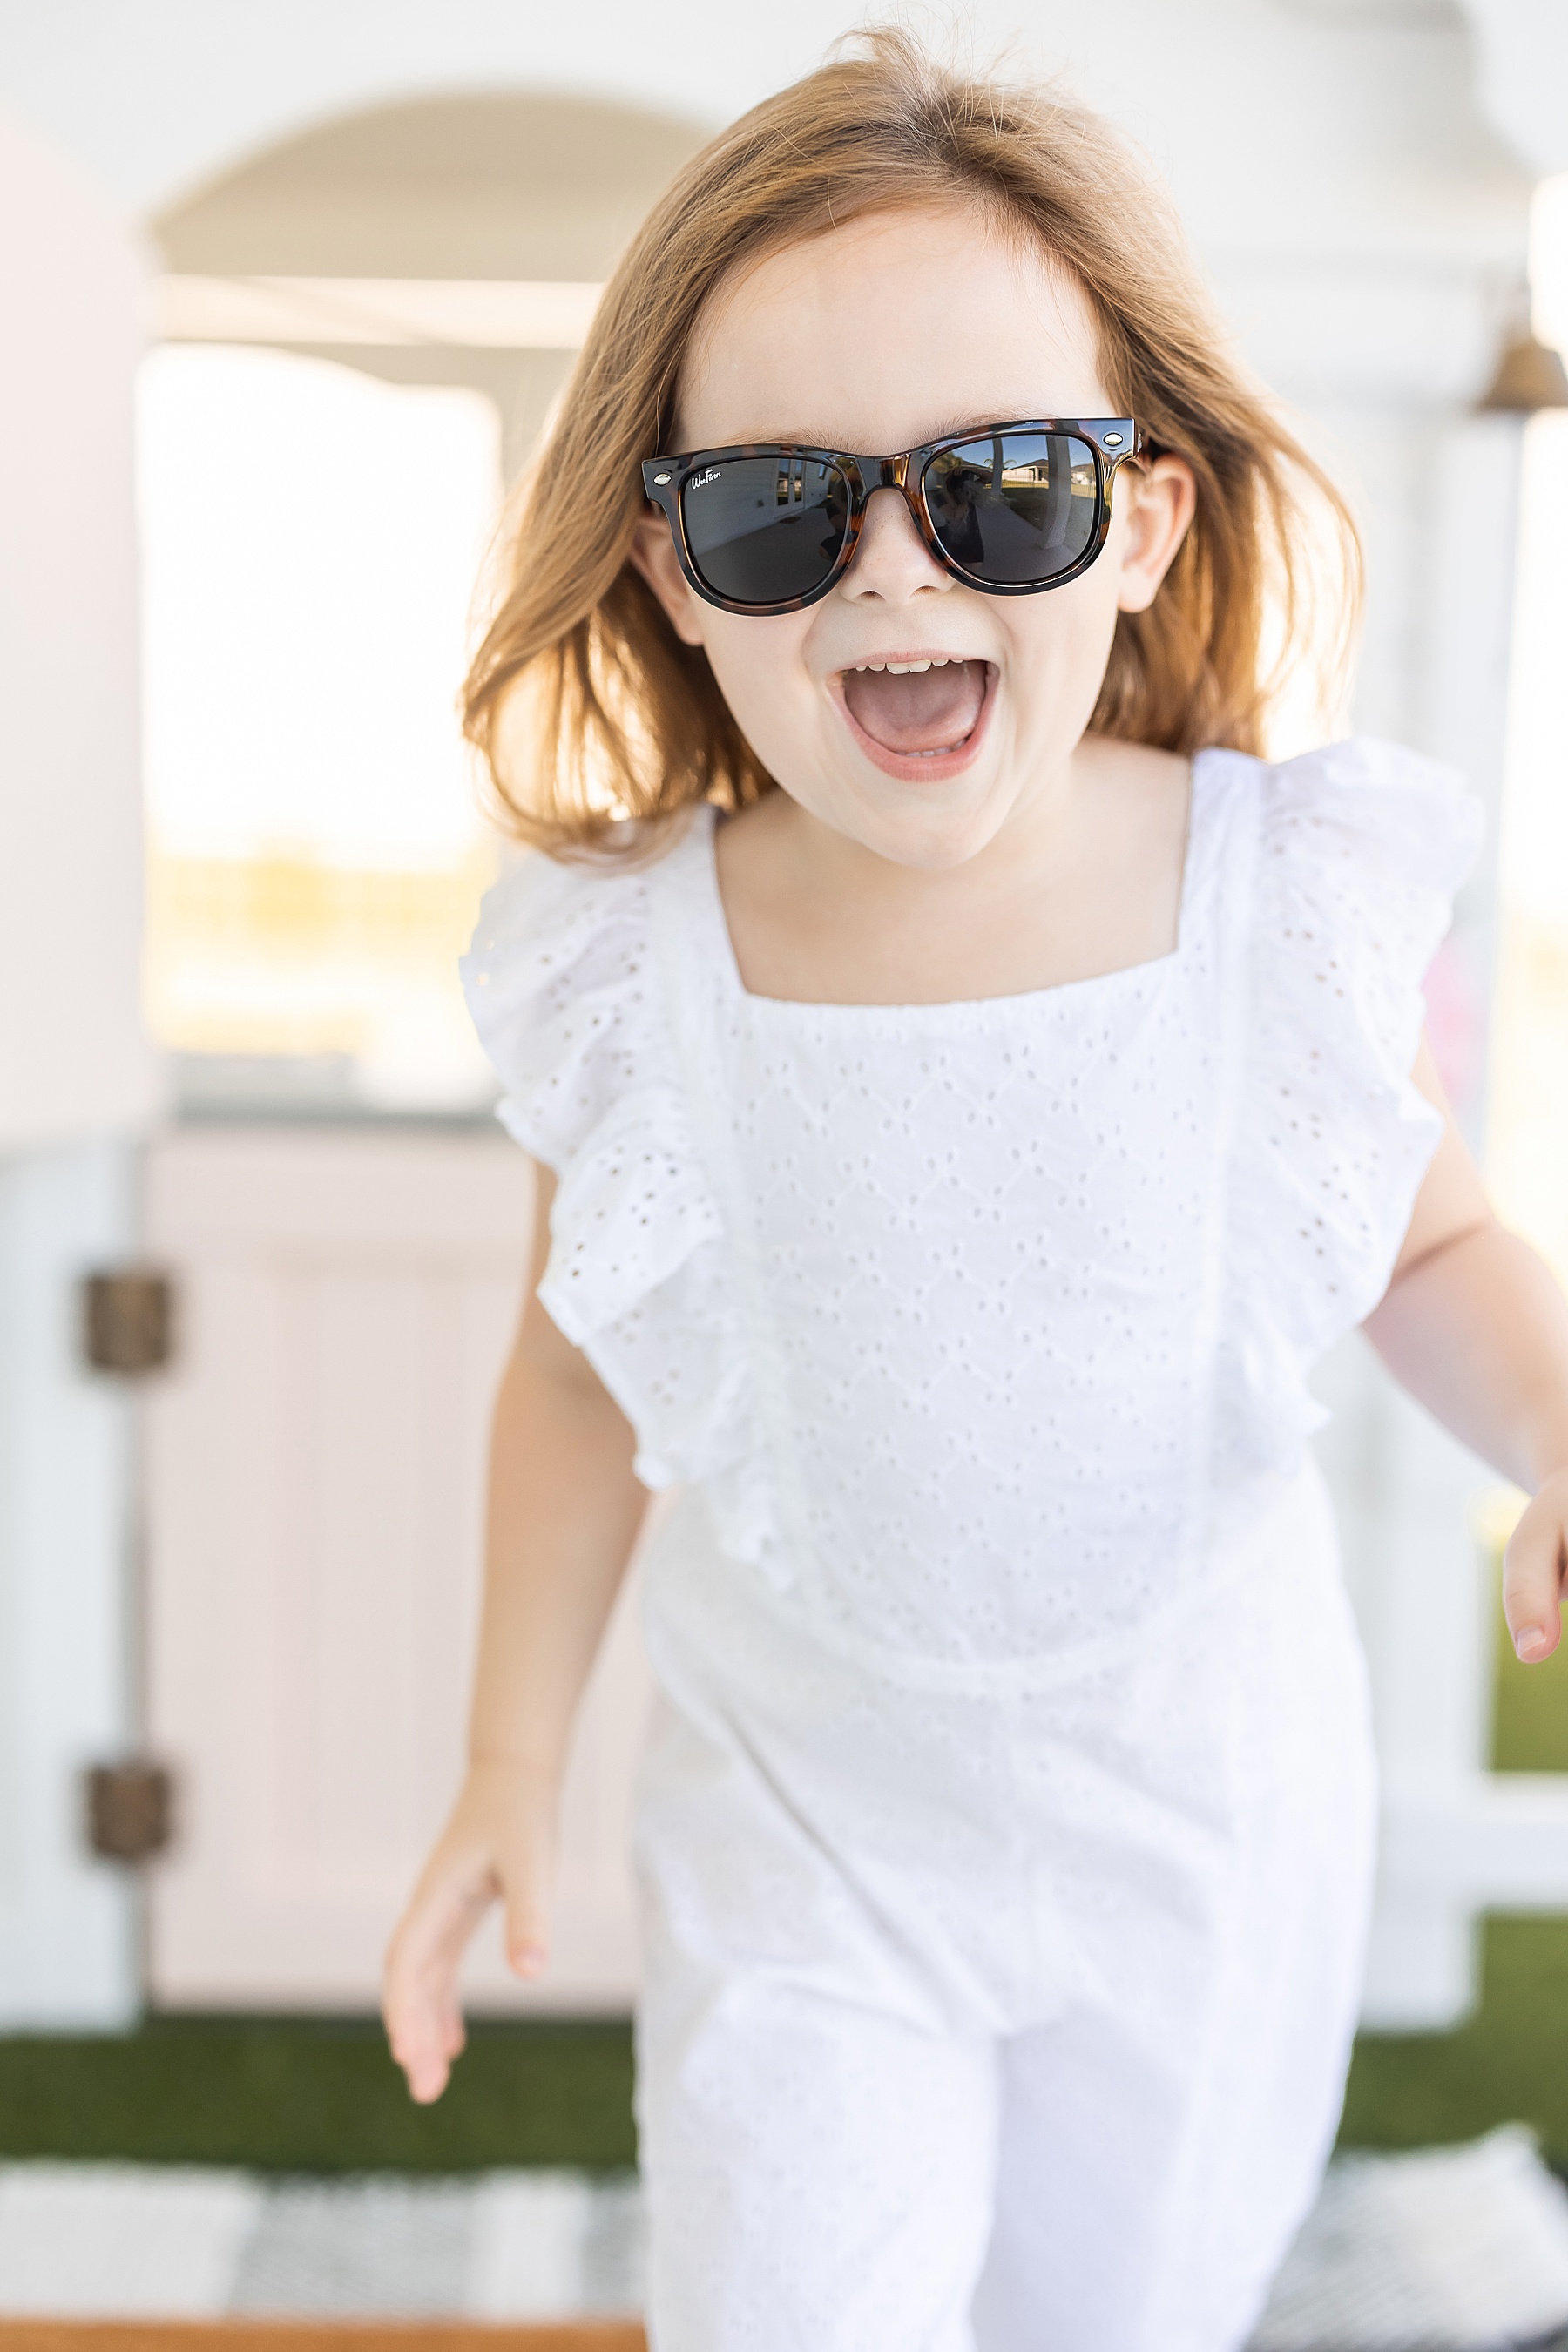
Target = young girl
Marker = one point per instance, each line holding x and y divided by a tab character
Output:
977	1086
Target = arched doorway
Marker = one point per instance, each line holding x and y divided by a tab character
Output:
363	330
494	189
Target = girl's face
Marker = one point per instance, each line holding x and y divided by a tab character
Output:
895	331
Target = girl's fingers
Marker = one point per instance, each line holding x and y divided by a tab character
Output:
418	2033
1532	1573
425	2035
499	1843
419	2001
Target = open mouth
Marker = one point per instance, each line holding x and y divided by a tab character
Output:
927	709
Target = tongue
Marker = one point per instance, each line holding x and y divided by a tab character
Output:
927	710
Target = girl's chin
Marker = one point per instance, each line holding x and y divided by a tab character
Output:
931	830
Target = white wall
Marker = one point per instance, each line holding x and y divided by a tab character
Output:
1524	49
73	1060
75	1067
68	1923
1265	109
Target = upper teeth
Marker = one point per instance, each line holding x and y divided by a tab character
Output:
902	669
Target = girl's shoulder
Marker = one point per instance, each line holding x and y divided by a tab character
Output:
542	907
561	985
1356	852
1363	821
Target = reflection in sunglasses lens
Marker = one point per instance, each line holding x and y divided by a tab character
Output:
763	529
1015	509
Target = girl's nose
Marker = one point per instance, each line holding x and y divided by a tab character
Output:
891	562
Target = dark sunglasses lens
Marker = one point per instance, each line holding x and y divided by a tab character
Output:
1015	509
761	531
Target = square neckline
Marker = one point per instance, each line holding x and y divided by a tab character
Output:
958	1010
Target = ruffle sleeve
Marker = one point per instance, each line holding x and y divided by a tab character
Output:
561	984
1360	849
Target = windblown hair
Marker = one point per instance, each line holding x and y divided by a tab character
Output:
585	702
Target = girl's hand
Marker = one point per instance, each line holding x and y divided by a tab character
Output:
498	1845
1534	1570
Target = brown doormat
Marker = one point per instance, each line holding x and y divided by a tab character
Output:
313	2336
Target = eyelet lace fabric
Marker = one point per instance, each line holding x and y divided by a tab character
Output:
972	1319
560	982
1360	849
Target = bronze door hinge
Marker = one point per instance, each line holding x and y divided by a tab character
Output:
130	1809
128	1320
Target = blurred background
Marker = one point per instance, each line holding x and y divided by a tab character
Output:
290	286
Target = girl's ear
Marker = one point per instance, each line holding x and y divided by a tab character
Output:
653	553
1163	503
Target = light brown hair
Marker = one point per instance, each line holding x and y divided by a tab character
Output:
621	719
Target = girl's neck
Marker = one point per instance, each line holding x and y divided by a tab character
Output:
1083	878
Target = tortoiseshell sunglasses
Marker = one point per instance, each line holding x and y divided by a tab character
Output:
1011	509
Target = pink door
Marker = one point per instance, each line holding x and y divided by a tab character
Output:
313	1513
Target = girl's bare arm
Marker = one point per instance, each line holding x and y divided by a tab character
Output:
1474	1324
564	1510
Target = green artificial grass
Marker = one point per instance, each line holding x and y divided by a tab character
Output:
1510	2061
292	2094
1509	2065
1529	1722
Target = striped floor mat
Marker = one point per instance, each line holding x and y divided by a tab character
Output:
124	2241
1453	2250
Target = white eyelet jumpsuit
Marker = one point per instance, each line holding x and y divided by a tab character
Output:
1007	1828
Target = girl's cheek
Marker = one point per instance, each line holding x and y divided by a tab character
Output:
1068	634
762	669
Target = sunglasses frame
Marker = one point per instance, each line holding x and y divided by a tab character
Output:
1113	440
